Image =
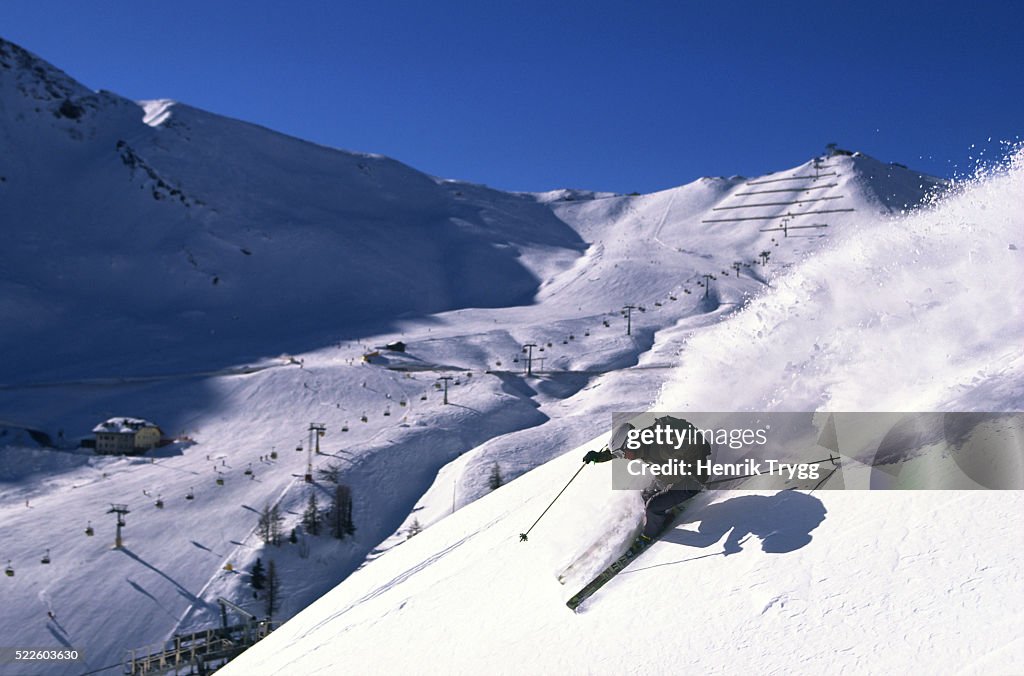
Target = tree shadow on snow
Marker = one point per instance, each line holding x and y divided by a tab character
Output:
782	522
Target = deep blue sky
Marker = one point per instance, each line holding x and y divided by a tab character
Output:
609	96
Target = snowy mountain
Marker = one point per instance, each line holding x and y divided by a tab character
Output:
225	282
238	242
746	581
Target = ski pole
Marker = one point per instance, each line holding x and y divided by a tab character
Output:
522	536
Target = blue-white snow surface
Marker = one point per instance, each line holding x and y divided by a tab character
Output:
225	281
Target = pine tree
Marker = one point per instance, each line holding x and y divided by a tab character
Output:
293	537
311	517
276	522
273	589
340	512
264	525
495	479
257	578
414	529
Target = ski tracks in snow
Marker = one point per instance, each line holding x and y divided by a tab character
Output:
399	579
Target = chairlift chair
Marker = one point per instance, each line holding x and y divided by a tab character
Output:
46	558
88	529
190	495
9	570
159	503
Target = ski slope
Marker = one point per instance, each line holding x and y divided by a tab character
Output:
225	282
853	581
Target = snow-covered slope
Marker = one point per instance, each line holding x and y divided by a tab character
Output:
167	238
906	313
159	259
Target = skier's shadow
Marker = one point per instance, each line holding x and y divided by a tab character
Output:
783	522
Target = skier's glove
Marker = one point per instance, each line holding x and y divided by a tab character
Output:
598	456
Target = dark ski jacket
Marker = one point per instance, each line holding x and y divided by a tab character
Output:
695	448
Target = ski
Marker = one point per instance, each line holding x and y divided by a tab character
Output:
638	547
635	549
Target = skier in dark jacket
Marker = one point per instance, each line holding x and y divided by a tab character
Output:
674	488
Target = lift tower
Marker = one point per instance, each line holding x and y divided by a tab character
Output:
316	430
120	510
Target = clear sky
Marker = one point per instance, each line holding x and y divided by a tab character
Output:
537	95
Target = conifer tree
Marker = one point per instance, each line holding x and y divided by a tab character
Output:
273	597
340	515
257	578
495	479
276	523
311	517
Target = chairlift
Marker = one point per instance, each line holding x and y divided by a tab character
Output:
190	495
364	418
457	382
549	344
220	481
402	402
423	397
46	558
565	342
586	333
159	502
298	449
387	411
672	298
273	455
9	570
515	360
657	303
88	529
497	363
344	428
572	337
541	349
248	470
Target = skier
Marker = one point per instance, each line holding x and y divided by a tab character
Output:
672	489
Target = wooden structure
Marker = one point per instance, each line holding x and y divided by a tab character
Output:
204	651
